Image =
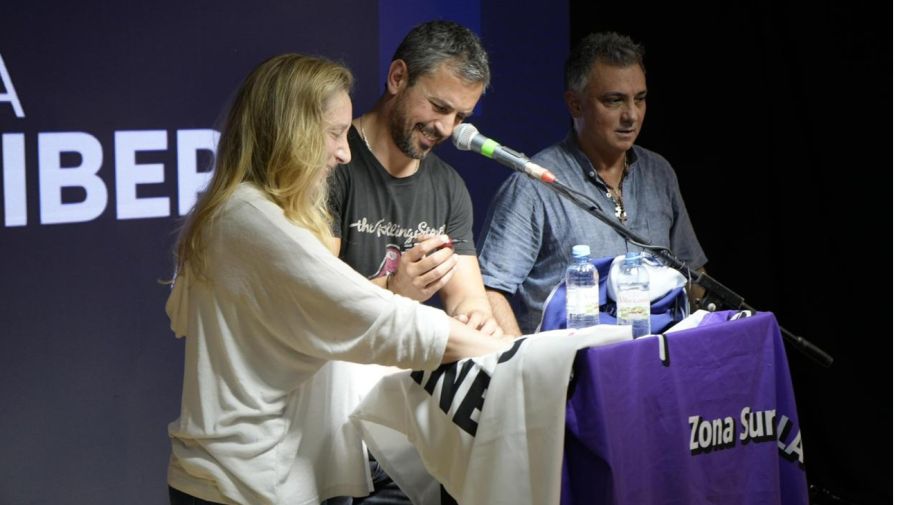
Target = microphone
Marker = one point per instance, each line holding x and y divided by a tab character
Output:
467	138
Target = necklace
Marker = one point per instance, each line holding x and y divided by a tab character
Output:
362	133
615	194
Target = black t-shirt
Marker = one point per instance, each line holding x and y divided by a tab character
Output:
376	214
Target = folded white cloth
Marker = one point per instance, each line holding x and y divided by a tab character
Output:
490	429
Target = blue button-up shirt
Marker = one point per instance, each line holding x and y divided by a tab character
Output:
527	238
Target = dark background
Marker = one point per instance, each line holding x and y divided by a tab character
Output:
777	119
772	115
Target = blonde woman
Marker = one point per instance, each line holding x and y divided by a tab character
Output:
264	304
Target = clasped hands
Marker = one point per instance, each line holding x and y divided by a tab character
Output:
424	268
428	266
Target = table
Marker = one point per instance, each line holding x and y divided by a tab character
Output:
712	422
717	423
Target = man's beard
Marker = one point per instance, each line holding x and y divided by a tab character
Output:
403	135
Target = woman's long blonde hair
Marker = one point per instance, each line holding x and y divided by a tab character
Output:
273	137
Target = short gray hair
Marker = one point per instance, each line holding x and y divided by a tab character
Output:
433	43
607	47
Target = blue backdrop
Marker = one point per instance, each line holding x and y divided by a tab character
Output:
117	105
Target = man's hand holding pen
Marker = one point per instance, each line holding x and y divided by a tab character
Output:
424	268
450	243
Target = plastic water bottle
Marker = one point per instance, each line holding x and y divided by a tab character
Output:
582	290
633	294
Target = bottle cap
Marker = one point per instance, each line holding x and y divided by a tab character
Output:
581	250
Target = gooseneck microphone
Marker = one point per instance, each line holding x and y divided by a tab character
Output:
467	138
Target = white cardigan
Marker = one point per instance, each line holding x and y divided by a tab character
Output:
262	421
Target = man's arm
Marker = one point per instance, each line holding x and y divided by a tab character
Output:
510	244
465	299
503	312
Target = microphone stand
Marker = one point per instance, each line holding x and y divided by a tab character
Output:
717	296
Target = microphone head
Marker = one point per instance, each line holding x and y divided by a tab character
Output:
463	135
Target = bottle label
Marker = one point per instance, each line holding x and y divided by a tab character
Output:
633	304
583	301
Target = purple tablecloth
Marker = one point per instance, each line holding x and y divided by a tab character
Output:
716	423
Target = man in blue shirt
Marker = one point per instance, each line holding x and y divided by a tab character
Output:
530	230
